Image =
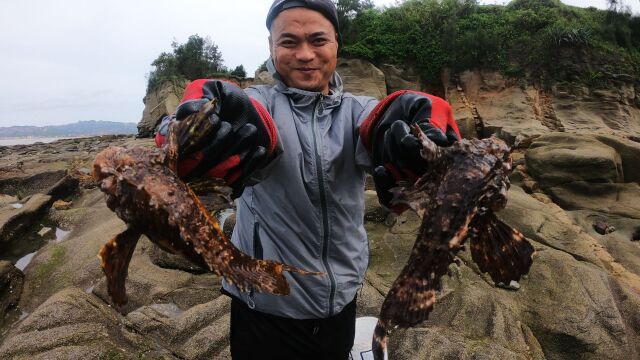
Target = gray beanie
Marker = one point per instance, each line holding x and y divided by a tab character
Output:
325	7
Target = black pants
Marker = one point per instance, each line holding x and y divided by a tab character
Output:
255	335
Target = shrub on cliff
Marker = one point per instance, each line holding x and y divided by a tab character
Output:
526	34
197	58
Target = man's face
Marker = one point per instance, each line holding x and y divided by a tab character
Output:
304	49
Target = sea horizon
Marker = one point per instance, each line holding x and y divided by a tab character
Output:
28	140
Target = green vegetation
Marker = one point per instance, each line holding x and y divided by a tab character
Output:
43	271
196	59
533	36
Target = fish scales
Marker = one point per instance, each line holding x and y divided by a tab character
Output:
142	188
457	199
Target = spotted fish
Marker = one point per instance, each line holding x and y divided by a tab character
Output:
142	188
466	183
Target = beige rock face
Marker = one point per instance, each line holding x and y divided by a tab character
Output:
564	157
362	78
263	78
400	79
516	111
75	325
158	104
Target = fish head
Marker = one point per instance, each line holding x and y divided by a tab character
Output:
194	131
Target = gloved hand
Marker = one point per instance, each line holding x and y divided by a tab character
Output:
395	151
239	139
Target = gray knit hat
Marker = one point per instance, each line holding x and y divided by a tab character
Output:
325	7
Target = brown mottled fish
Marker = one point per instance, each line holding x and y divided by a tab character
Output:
465	184
142	188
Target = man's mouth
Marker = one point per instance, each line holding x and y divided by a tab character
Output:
306	69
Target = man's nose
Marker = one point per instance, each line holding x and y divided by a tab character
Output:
305	53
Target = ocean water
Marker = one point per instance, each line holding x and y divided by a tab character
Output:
27	141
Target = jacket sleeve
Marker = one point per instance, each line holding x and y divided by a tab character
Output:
363	157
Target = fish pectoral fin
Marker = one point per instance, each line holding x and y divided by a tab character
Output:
115	256
226	260
247	272
500	250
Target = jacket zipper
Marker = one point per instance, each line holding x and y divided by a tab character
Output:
323	208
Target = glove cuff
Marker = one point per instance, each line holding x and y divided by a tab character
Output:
368	126
441	116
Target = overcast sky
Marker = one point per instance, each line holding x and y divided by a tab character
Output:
69	60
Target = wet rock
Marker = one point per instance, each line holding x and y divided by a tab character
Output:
11	281
148	283
167	260
373	211
602	227
75	325
7	200
31	184
64	187
200	332
13	221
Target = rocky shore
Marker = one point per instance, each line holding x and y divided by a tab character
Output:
575	196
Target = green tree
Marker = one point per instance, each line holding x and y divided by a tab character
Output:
239	72
349	10
197	58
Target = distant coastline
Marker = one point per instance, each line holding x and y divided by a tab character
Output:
31	140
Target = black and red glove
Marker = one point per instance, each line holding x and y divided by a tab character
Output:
242	137
394	150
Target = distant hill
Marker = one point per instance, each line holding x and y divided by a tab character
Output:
81	128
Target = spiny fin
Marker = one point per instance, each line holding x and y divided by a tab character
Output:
242	270
499	250
115	256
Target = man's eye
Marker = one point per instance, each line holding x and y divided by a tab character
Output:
288	43
319	41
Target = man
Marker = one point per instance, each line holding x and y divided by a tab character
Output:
297	152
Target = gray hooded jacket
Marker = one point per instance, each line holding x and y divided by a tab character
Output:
307	208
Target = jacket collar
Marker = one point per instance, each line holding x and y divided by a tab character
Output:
300	96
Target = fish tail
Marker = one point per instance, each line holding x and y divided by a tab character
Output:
115	256
500	250
379	341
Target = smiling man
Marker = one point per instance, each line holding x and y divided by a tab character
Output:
296	155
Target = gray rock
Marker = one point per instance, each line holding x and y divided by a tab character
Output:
373	211
201	332
263	78
24	186
158	104
400	79
13	221
76	325
362	78
561	158
11	281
